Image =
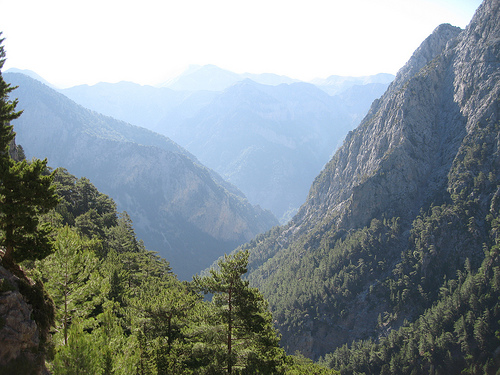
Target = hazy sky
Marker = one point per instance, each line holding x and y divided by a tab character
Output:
71	42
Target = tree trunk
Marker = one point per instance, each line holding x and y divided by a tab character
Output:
8	256
66	309
229	332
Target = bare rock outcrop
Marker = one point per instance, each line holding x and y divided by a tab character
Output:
19	333
399	156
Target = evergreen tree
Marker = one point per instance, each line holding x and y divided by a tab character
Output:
70	274
80	356
7	109
25	192
251	343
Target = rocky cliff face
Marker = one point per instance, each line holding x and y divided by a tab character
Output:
426	141
400	155
19	334
394	161
269	140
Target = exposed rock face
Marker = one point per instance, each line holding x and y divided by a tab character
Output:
393	161
19	334
269	140
401	153
403	157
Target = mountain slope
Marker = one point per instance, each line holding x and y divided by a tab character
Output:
140	105
407	200
270	140
179	208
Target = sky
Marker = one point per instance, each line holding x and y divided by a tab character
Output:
72	42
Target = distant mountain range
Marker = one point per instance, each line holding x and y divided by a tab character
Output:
181	209
335	85
270	141
267	134
392	263
213	78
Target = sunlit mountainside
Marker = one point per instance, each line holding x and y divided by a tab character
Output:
226	223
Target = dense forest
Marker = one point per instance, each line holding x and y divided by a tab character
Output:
108	305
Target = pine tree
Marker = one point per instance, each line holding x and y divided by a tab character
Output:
251	341
70	276
7	109
26	191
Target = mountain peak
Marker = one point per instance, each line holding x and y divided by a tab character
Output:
424	144
207	77
431	47
31	74
212	78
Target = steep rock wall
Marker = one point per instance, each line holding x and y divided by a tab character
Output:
19	333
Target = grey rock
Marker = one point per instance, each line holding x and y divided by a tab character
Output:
19	333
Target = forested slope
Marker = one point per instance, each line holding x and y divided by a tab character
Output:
105	304
405	212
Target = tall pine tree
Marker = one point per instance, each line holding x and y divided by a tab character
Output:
26	191
250	340
7	109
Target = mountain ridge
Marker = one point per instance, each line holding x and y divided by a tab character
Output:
262	138
179	207
212	78
358	247
386	142
290	131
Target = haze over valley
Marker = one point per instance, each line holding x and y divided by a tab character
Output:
222	222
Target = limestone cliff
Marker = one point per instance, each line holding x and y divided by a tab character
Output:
391	163
21	338
400	155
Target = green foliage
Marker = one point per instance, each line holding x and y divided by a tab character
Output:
324	270
113	306
7	109
83	206
299	365
121	310
69	273
242	337
79	356
458	334
447	277
25	192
